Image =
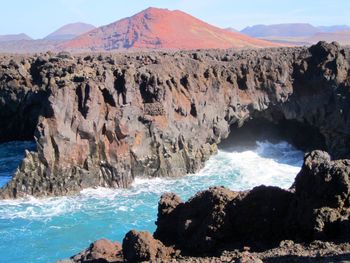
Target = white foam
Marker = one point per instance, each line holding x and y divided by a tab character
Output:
269	164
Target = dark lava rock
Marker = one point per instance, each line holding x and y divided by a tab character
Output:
99	123
64	55
199	224
142	246
318	208
322	191
101	251
260	216
323	182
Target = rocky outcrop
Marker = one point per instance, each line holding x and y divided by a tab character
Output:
309	220
21	101
316	208
101	251
104	120
142	246
322	190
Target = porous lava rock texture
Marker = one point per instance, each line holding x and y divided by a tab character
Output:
102	120
316	208
102	250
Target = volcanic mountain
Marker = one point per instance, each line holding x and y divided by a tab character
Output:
156	28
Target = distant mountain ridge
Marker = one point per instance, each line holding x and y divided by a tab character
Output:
299	33
156	28
231	29
290	30
14	37
342	37
70	31
295	30
331	29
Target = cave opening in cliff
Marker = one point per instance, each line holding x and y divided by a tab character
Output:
302	136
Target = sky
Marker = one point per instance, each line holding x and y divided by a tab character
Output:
38	18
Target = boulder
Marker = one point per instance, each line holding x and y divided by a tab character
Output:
322	190
142	246
197	225
261	216
101	251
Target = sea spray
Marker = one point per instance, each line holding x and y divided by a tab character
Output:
48	229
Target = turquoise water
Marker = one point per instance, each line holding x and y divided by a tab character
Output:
11	155
45	230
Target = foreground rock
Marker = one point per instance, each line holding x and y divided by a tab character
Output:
101	250
265	223
141	246
104	120
317	208
287	251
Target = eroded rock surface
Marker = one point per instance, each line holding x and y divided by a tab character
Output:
104	120
142	246
101	251
316	208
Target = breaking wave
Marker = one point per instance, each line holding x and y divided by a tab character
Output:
45	230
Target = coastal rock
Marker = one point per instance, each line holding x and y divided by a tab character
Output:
199	224
218	216
104	120
317	208
260	216
100	251
142	246
322	191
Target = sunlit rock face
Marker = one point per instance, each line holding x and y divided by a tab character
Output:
104	120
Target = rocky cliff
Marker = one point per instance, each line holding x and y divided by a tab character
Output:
102	120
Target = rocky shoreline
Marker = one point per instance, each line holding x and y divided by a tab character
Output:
102	120
307	223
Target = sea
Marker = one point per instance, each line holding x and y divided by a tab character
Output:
48	229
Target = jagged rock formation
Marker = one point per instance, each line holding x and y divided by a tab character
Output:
267	219
103	120
142	246
101	250
317	208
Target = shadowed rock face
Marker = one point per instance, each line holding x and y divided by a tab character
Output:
316	208
101	251
141	247
103	120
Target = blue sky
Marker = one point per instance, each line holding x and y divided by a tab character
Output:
38	18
